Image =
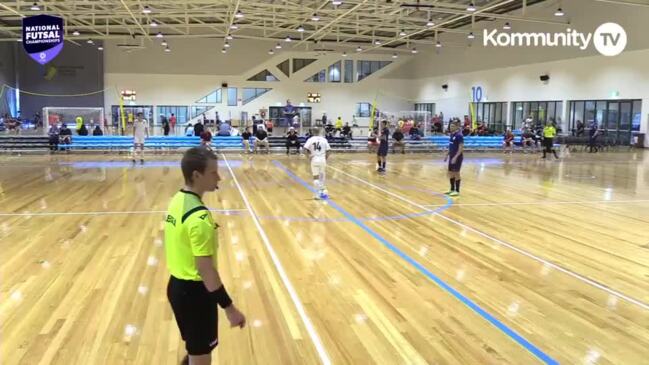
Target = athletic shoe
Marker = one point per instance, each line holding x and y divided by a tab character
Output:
324	196
454	193
449	192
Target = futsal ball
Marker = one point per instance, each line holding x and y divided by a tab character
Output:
324	193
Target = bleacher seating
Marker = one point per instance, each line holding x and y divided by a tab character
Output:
23	143
153	142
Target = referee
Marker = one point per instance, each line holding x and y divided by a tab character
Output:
195	287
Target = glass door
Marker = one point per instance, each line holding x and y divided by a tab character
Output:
624	127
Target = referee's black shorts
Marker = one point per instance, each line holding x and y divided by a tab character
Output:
196	315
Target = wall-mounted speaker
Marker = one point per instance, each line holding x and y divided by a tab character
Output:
225	84
544	78
445	87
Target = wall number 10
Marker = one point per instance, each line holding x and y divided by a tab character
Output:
477	94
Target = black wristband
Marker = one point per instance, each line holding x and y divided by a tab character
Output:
221	297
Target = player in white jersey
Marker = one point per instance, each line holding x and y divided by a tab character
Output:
318	148
140	132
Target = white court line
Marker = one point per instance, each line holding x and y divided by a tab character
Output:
508	245
280	270
106	213
544	203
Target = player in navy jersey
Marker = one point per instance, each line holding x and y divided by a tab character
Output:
455	154
382	152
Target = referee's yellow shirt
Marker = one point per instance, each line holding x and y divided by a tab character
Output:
549	132
190	231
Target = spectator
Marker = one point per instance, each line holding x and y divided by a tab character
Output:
206	139
225	130
593	133
339	125
97	131
580	128
83	131
398	141
324	118
189	130
245	138
261	139
65	135
53	133
527	139
165	127
296	122
414	133
198	128
292	140
372	140
508	141
172	122
329	130
269	126
347	131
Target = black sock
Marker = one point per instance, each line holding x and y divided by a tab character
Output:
452	184
383	165
457	185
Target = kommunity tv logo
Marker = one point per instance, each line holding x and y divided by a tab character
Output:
609	39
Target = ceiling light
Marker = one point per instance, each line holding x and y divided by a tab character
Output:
153	24
239	14
430	23
278	46
402	33
100	48
438	44
394	55
226	45
89	41
414	51
315	17
271	52
507	26
300	29
288	39
35	7
344	54
146	9
559	12
76	32
471	36
159	35
223	50
471	7
167	49
336	2
359	49
234	26
19	40
378	43
229	36
164	43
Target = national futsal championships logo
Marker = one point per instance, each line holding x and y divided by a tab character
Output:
609	39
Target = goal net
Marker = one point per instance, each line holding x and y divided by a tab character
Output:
68	115
421	119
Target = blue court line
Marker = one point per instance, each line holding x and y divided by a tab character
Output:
466	301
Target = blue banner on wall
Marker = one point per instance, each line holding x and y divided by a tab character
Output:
43	37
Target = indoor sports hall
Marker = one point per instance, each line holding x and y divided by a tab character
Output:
324	182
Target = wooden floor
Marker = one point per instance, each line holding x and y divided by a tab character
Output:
536	262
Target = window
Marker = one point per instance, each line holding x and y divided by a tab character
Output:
334	72
232	96
250	94
363	110
366	68
616	118
212	98
180	112
540	111
285	67
300	63
265	75
319	77
491	114
425	107
198	110
349	71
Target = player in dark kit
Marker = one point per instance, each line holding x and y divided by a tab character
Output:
383	147
455	153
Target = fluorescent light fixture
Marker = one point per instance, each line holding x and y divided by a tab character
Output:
507	26
146	9
76	33
471	7
471	36
159	35
559	12
300	29
239	14
414	51
35	7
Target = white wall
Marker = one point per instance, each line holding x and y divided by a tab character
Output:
338	99
589	78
